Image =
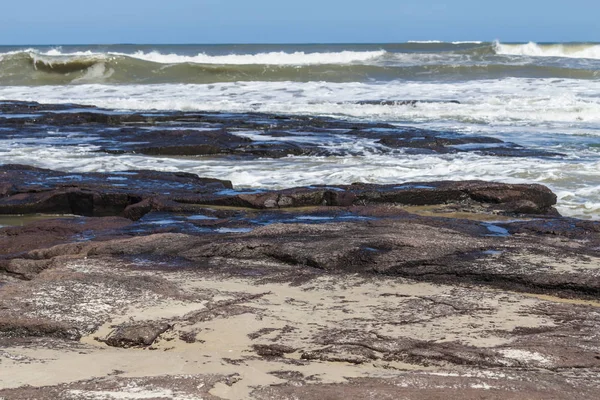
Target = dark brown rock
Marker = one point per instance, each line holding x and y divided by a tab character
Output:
272	350
136	335
25	327
133	194
35	190
214	134
40	234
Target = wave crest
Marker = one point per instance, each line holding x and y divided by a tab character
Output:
56	57
272	58
532	49
64	66
55	67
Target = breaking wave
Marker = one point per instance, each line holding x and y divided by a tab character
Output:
441	41
426	61
568	50
271	58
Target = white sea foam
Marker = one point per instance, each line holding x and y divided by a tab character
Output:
532	49
571	106
564	113
441	41
572	181
28	50
57	52
271	58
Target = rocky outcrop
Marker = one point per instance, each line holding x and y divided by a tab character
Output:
236	135
297	300
292	310
136	335
144	284
132	194
34	190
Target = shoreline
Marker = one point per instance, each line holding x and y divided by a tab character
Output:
169	285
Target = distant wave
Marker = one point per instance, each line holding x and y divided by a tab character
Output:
424	41
441	41
401	61
567	50
271	58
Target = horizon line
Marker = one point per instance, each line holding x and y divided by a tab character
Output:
293	43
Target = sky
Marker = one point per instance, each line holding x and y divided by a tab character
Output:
296	21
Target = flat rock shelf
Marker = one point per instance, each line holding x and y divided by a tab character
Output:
165	285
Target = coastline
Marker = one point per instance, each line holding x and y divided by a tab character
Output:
173	286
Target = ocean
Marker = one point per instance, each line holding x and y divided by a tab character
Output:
542	96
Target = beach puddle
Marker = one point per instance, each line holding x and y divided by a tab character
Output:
496	230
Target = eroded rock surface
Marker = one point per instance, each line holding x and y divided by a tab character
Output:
422	290
136	335
254	330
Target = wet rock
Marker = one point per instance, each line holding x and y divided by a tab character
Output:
23	268
509	198
25	107
452	304
272	350
133	194
342	353
115	386
421	248
462	335
438	143
447	385
561	227
136	335
136	211
197	143
362	223
237	135
36	190
495	197
12	326
35	235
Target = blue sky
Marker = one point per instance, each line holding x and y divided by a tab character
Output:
296	21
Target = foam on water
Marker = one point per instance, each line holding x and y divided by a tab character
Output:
575	182
532	49
568	106
441	41
94	73
272	58
554	114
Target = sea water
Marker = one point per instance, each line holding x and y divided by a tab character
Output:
542	96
